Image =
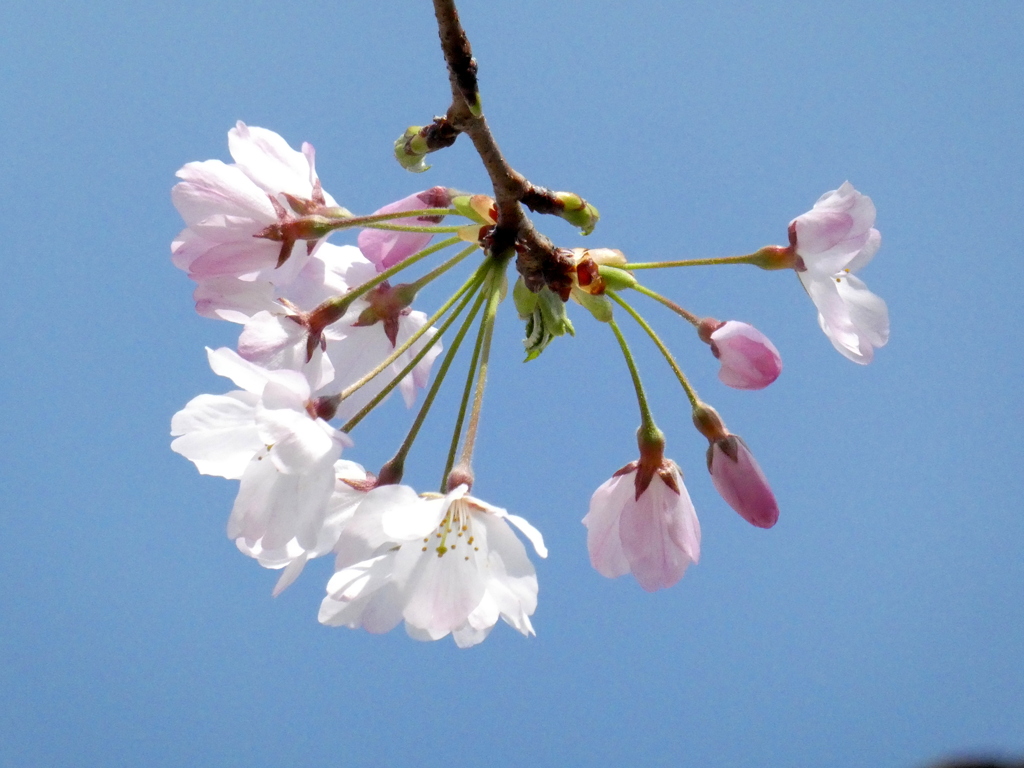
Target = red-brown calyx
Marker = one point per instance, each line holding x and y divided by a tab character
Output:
387	305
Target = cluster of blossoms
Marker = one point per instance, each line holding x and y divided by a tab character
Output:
326	337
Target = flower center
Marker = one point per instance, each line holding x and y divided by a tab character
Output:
455	529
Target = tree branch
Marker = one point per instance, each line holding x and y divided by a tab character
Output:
537	260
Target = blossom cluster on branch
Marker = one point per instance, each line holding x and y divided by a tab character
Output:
327	335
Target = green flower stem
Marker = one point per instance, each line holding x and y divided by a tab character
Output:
647	426
401	349
486	334
433	274
403	451
410	228
691	393
748	259
362	221
463	405
688	316
341	303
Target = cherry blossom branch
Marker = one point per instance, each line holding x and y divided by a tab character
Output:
536	253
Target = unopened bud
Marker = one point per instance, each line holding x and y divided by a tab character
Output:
616	279
706	327
411	149
577	211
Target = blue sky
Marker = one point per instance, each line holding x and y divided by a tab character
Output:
879	623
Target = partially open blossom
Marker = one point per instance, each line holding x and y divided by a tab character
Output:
833	240
268	436
227	207
444	564
385	248
740	481
749	359
651	532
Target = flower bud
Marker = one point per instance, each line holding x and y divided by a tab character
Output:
740	481
411	148
385	248
616	279
577	211
749	360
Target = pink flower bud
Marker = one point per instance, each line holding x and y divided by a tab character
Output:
749	360
386	248
740	481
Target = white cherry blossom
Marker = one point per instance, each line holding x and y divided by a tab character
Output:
267	436
444	564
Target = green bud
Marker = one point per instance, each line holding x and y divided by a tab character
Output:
410	149
578	211
616	279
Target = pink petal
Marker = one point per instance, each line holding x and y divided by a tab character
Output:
742	484
749	359
385	248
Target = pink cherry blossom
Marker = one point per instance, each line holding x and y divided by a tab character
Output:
652	533
838	228
226	208
740	481
442	564
834	240
386	248
749	359
351	349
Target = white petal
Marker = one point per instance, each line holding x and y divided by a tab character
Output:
266	158
217	433
226	362
529	532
